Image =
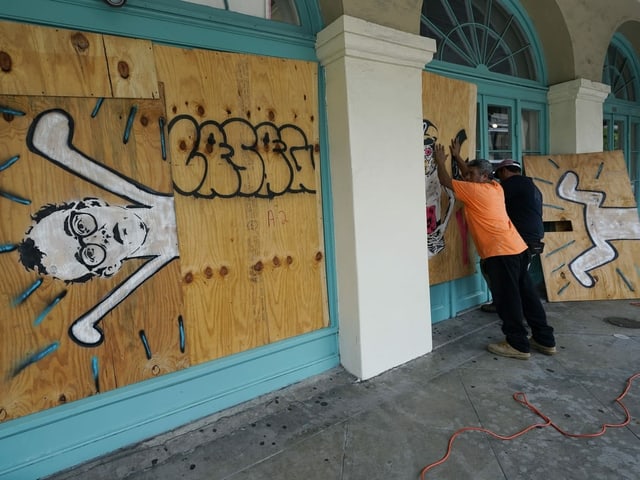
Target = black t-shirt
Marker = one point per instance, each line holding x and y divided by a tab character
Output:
524	206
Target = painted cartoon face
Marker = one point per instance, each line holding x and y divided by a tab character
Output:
90	238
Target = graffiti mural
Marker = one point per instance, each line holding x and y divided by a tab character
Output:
448	108
437	221
603	225
141	236
80	240
591	226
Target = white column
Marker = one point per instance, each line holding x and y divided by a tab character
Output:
575	116
374	108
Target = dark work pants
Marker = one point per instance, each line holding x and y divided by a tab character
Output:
517	300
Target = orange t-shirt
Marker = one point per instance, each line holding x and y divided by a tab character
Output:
486	215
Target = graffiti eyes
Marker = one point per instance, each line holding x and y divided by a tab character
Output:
83	224
92	255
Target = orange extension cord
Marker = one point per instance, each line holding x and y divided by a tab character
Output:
522	399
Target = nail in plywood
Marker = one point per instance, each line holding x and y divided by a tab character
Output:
592	230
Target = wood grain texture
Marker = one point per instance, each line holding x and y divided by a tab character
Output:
243	135
50	61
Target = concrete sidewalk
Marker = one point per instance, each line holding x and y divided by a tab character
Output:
390	427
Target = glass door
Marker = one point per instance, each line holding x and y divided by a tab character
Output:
622	132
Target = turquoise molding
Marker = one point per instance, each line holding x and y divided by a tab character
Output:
41	444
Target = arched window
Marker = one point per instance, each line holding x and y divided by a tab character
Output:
619	71
480	34
621	117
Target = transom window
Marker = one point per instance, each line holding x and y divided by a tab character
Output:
277	10
479	34
618	72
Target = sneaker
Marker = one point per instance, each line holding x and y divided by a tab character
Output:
488	307
541	348
505	350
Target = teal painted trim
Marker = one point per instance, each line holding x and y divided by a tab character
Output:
327	203
492	83
176	23
41	444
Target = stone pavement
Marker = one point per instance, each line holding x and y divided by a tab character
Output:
390	427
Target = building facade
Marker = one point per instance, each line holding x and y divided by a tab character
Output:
343	77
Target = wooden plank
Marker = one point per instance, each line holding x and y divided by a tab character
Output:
131	67
591	226
243	142
152	305
36	60
449	109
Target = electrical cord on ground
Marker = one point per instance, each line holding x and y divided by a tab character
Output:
521	398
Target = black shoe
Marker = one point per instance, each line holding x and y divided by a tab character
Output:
488	307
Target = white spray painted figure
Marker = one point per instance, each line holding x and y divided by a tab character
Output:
436	221
603	224
88	238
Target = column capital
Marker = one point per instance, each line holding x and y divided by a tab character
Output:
578	89
356	38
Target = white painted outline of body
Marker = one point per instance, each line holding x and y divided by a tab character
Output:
50	136
603	224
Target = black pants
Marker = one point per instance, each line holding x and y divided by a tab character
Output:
517	301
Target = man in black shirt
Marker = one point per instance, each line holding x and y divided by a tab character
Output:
524	203
524	207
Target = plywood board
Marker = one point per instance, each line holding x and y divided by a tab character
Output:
86	162
592	230
212	240
132	71
449	111
243	141
36	60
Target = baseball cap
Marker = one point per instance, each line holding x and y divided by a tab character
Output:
508	163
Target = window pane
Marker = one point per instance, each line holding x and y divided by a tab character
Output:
618	135
500	141
605	135
278	10
634	159
530	125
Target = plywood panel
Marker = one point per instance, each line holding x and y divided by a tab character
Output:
592	229
243	140
132	70
78	151
36	60
449	110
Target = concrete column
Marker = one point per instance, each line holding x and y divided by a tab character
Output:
374	107
575	116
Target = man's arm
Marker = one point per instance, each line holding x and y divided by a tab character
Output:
441	160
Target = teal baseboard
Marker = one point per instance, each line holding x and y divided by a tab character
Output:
47	442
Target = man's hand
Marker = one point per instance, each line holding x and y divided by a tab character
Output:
441	159
439	154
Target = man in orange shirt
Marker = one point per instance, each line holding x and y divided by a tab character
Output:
504	255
